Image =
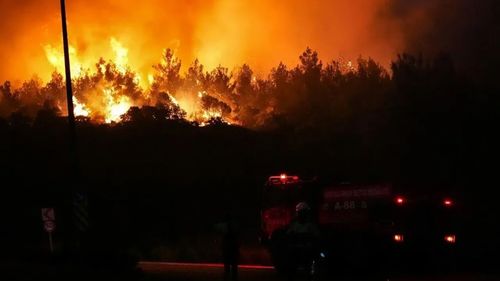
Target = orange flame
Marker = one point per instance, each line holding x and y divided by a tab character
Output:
106	103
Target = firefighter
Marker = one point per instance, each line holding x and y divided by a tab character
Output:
230	250
303	239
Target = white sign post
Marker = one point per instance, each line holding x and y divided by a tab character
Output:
49	224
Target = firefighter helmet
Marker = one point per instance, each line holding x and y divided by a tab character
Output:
302	207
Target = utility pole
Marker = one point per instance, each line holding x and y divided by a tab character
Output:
79	200
69	94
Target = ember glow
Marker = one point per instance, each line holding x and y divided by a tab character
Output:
107	90
113	105
80	109
106	101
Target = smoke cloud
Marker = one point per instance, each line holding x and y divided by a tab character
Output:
464	29
261	33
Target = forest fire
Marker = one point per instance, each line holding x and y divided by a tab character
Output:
114	53
115	47
148	128
115	108
107	92
112	105
80	109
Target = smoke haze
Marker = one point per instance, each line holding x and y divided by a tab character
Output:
260	33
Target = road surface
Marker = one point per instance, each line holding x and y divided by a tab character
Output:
156	271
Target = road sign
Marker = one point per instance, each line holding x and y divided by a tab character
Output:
49	226
48	214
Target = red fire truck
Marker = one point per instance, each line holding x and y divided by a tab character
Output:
368	225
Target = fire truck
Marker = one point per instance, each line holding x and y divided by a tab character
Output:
362	225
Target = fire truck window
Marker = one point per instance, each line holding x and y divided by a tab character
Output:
282	195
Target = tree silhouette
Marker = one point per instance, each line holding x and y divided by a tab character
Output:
8	103
220	82
196	79
153	114
19	120
47	117
167	73
212	104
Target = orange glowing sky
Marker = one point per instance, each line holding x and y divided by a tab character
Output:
261	33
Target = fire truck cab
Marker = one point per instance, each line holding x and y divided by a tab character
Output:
368	225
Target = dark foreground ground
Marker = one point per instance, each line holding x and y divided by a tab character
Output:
159	271
209	272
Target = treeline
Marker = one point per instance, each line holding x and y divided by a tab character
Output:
423	115
311	94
